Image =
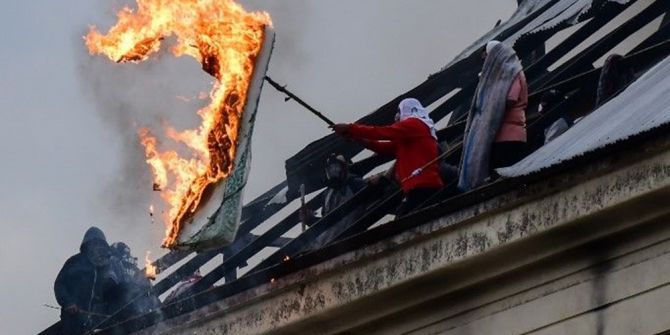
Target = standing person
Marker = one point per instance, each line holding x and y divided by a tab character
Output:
84	283
412	140
341	185
495	134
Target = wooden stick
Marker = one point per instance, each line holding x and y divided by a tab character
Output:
302	204
290	95
418	171
80	311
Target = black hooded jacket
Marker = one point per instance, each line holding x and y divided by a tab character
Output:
83	284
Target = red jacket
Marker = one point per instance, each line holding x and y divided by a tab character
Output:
411	143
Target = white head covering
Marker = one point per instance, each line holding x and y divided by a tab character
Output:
412	108
491	45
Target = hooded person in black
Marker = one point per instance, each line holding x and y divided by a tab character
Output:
341	185
83	282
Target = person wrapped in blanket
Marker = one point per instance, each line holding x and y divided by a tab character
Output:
85	284
495	134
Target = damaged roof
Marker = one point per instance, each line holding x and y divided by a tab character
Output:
643	106
544	14
532	19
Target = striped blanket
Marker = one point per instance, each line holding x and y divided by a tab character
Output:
486	114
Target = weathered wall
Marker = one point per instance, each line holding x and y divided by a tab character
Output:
423	281
617	286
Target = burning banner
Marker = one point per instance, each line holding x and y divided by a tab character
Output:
202	191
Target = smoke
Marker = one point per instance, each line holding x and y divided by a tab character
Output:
161	90
130	96
290	20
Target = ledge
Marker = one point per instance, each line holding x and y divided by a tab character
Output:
450	253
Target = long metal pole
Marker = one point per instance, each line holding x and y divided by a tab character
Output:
290	95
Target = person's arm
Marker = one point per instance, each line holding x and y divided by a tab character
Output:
385	148
357	184
398	130
308	216
63	296
111	284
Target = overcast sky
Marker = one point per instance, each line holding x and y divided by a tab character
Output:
70	156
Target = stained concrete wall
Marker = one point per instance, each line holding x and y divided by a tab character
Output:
615	286
583	252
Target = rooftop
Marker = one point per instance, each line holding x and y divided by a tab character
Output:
638	117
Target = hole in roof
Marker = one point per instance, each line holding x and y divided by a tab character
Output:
615	23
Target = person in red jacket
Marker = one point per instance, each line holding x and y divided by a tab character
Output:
413	142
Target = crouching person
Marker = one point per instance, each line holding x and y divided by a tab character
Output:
412	140
133	296
84	283
341	185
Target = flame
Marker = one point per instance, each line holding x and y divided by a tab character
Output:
225	39
150	270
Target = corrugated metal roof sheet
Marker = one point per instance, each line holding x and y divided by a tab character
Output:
565	11
644	106
525	9
561	12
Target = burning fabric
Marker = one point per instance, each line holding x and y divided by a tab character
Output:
202	191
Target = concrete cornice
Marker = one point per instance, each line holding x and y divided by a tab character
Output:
456	251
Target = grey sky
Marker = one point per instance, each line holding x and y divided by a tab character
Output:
70	158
